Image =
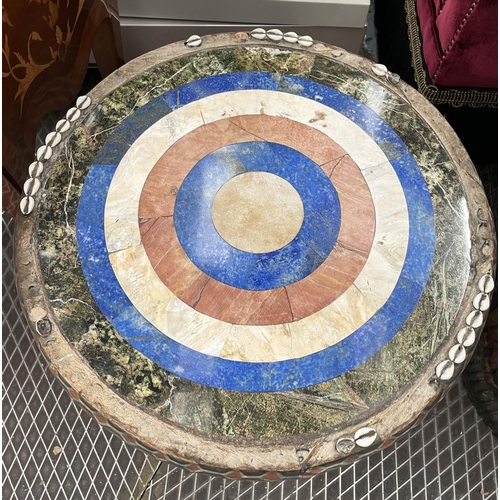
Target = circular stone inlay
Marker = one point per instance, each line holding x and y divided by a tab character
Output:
257	212
290	355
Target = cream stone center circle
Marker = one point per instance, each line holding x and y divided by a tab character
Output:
257	212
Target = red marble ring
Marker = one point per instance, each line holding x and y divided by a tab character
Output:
234	305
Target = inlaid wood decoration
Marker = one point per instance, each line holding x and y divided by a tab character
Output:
46	47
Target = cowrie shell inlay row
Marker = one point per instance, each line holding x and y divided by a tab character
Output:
44	153
276	35
466	337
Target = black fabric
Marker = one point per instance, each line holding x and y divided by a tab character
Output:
392	38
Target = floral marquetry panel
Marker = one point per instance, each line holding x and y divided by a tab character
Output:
256	255
45	53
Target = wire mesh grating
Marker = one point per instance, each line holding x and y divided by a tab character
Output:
53	450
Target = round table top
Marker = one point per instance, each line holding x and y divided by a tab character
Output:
255	254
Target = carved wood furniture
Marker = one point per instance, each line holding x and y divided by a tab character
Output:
46	47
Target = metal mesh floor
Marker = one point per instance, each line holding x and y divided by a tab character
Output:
53	450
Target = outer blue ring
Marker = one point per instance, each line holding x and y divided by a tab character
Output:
242	376
253	271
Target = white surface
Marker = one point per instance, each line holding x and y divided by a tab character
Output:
341	13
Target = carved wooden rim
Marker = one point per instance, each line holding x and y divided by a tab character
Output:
294	453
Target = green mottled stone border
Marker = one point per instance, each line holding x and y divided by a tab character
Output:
310	452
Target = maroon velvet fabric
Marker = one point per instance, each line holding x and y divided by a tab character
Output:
428	30
460	42
438	5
